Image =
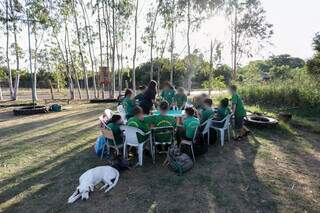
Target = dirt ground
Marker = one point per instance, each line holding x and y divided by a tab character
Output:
42	157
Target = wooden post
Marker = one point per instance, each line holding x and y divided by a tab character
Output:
51	89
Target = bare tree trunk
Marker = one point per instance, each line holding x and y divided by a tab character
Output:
135	49
89	48
71	86
100	47
190	72
7	52
172	41
113	49
211	67
1	96
73	66
34	82
80	51
235	45
152	39
119	70
106	23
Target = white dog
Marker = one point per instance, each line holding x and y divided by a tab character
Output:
92	177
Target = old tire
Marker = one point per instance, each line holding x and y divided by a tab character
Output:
30	110
260	121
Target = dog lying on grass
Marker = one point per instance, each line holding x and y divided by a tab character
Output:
87	181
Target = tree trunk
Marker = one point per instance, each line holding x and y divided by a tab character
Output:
85	74
119	71
71	86
135	49
73	67
211	67
30	59
152	39
235	45
113	49
1	96
90	49
34	82
106	24
7	52
190	72
172	42
100	47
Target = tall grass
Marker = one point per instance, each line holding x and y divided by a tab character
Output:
302	91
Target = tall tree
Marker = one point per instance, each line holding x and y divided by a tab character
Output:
135	47
7	50
249	29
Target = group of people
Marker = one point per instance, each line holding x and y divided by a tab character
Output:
138	112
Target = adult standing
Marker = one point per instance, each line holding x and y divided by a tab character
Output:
148	98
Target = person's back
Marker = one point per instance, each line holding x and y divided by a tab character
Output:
139	122
128	103
162	120
223	110
114	125
190	125
168	93
207	112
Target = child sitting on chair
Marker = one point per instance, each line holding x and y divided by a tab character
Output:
222	112
180	99
207	112
114	125
190	124
168	93
138	121
128	103
162	120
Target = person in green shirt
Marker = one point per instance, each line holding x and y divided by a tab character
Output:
168	93
180	99
189	127
207	112
222	112
139	122
141	90
162	120
128	103
114	125
239	113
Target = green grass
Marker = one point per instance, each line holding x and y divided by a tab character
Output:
42	157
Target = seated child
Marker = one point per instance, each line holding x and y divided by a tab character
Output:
128	103
168	93
162	120
222	112
138	122
141	90
180	99
190	124
114	125
207	112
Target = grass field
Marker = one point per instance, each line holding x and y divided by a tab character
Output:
42	157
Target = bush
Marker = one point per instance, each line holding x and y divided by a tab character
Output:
302	91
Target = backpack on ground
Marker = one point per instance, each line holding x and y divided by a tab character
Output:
178	161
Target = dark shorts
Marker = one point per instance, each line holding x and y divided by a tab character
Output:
238	122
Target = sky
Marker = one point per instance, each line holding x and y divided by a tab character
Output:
294	23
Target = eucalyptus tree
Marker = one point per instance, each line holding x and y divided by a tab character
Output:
89	44
135	47
152	17
79	44
249	29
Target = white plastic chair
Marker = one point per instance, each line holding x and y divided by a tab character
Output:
131	139
190	143
221	131
108	113
122	113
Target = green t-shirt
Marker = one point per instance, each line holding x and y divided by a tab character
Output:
190	125
128	105
115	128
168	95
142	125
222	113
180	100
139	97
237	100
206	114
161	121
